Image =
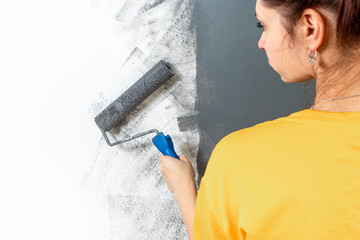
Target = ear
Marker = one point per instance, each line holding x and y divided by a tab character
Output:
312	28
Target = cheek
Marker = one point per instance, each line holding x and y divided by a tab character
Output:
278	55
288	65
274	60
281	62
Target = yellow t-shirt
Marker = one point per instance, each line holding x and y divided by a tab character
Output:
295	177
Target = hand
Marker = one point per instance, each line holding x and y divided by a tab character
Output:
178	174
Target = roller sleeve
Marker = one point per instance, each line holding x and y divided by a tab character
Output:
132	97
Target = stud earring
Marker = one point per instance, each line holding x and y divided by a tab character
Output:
312	59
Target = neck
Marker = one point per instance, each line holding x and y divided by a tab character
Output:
338	81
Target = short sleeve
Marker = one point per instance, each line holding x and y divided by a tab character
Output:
205	224
218	200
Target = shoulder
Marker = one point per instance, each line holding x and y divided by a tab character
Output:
236	148
266	130
262	136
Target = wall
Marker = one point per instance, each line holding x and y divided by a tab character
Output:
127	177
62	62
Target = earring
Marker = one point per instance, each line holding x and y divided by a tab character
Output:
312	59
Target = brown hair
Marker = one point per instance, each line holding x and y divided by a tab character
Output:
347	12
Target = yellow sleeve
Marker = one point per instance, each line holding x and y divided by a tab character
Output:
218	200
205	224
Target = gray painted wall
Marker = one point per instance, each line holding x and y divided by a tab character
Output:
236	86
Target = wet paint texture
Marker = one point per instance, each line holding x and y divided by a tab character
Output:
144	223
132	97
126	178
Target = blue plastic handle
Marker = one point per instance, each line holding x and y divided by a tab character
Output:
165	145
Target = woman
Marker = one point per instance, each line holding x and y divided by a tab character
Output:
296	177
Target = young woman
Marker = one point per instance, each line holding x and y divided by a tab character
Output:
296	177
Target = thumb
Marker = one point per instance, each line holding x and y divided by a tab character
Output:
183	158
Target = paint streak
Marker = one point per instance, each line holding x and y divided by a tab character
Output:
126	178
142	218
188	123
156	3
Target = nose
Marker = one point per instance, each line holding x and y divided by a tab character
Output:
261	43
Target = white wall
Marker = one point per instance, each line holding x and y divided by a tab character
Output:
54	55
61	62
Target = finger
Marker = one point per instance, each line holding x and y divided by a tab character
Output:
183	158
166	158
163	158
162	172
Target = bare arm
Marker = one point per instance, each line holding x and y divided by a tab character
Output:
186	202
180	178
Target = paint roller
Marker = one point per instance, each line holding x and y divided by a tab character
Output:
111	116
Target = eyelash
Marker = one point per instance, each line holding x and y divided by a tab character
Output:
259	25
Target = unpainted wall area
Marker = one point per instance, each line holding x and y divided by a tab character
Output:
236	86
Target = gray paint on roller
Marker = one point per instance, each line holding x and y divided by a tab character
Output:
132	97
